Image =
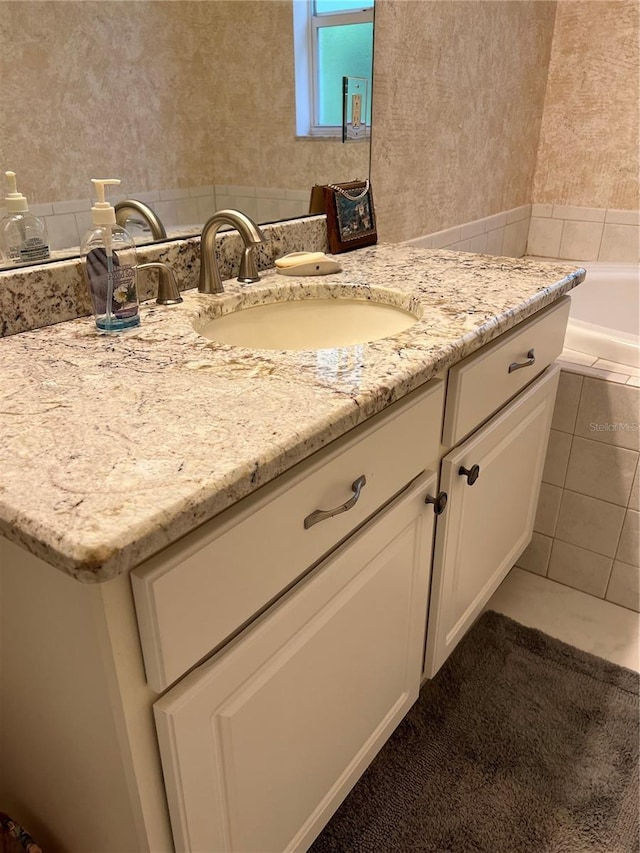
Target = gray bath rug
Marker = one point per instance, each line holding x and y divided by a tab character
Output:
520	744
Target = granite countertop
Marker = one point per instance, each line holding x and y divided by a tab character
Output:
112	447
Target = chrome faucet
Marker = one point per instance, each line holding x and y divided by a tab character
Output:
124	209
210	281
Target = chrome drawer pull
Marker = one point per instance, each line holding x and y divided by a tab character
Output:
321	514
516	365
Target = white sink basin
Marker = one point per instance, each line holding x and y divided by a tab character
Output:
285	322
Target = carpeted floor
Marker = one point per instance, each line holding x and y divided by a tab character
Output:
520	744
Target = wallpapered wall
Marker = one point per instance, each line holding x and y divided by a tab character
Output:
589	141
161	94
175	94
458	98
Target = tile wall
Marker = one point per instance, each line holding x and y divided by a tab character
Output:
586	532
503	234
68	221
547	231
584	233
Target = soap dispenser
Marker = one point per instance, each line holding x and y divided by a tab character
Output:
23	236
110	264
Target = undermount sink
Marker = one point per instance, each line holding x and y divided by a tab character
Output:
334	317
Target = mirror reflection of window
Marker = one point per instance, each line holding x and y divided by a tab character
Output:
333	39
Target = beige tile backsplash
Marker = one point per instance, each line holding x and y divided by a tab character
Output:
586	531
584	233
503	233
620	243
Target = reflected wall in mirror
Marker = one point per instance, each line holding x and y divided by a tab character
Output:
191	104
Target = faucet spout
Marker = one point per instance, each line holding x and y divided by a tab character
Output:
252	235
124	209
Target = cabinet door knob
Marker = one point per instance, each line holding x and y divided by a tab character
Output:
320	514
471	474
531	359
439	502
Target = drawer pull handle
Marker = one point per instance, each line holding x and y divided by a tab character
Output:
471	474
321	514
531	359
439	502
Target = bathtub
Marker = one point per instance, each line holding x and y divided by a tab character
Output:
604	321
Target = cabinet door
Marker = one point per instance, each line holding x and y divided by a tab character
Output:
488	524
260	745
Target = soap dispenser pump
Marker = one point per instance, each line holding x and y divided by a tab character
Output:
110	265
23	236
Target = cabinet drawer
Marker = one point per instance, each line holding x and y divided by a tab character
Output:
200	591
482	383
261	743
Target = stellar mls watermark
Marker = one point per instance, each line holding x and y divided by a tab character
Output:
615	426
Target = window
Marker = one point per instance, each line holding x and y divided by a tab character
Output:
332	39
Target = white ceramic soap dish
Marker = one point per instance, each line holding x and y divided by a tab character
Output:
306	263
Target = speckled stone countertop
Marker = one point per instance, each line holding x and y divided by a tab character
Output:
112	447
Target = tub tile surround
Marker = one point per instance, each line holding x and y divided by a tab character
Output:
586	527
200	425
502	234
45	294
588	233
546	231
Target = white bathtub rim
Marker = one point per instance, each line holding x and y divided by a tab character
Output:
604	342
600	342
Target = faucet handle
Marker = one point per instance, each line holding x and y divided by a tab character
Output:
168	291
248	272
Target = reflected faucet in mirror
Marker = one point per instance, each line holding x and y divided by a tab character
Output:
129	206
252	236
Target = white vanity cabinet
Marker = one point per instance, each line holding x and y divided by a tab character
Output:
241	681
492	478
262	741
489	520
261	744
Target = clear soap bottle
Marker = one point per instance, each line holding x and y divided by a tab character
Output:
23	236
110	264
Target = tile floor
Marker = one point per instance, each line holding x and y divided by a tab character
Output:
588	623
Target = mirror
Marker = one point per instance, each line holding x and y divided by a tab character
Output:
191	104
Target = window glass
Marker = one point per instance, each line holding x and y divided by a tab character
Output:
327	7
343	51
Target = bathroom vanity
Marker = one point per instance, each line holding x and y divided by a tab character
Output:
251	589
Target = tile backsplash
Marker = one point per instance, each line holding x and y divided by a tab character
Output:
546	231
503	233
584	233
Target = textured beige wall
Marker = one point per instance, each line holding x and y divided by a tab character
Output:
458	98
160	94
589	143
